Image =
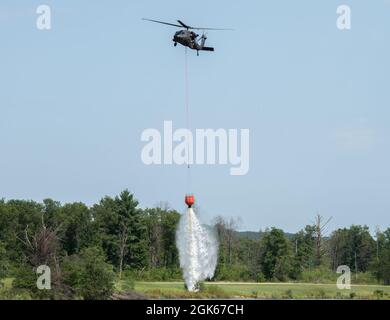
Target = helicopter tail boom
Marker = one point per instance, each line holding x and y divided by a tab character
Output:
207	49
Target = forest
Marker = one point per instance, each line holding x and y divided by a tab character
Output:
90	248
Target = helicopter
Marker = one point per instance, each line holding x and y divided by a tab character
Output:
189	38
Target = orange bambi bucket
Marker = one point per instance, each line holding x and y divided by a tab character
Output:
189	200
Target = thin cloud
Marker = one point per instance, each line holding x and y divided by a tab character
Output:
357	136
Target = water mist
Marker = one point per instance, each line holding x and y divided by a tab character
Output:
198	250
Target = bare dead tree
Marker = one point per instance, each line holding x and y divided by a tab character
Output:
122	247
377	236
155	240
42	249
42	246
227	234
320	228
163	206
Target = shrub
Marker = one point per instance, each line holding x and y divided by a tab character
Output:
318	275
260	277
127	285
378	294
201	286
4	263
156	274
89	275
288	294
214	292
236	272
364	278
24	284
321	294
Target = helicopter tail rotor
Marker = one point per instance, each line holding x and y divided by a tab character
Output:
203	39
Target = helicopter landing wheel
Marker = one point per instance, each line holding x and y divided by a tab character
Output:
175	44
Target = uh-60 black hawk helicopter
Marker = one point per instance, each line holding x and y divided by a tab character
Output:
187	37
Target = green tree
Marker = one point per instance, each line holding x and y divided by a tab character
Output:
353	247
77	229
381	263
276	255
122	232
249	257
4	262
16	217
304	243
161	224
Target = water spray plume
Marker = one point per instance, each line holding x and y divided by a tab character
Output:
198	250
197	245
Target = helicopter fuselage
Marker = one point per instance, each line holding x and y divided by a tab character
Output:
190	39
186	38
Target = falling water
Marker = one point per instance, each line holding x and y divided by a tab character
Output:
198	250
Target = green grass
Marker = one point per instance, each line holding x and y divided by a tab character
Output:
263	290
222	290
7	292
6	283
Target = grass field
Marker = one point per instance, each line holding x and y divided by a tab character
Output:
261	290
243	290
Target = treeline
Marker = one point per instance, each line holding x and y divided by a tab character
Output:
89	248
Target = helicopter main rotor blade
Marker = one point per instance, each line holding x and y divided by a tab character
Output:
196	28
169	24
221	29
184	25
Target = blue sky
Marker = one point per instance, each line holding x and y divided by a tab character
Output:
74	101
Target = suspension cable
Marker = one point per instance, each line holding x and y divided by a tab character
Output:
187	109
